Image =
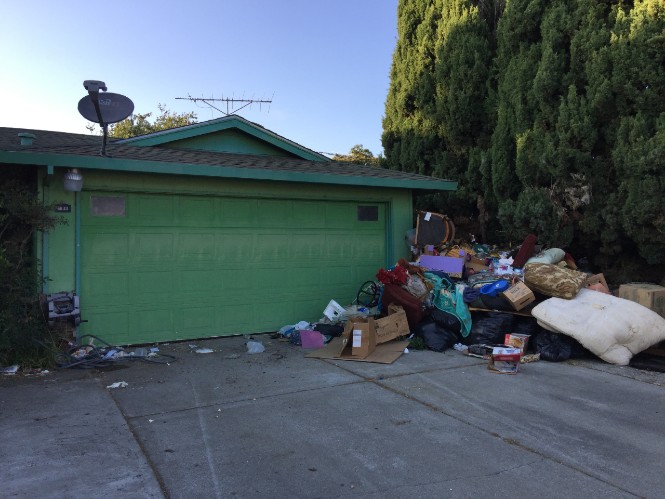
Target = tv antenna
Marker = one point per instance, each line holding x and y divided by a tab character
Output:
231	103
105	108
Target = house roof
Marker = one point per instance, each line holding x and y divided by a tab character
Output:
70	150
220	124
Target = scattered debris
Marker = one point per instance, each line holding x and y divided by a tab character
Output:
204	350
10	370
118	384
255	347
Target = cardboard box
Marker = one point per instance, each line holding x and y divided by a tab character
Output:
519	295
475	266
391	326
505	360
517	341
358	338
453	266
648	295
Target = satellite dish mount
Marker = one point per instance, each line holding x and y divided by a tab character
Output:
105	108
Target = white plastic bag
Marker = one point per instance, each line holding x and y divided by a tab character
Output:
255	347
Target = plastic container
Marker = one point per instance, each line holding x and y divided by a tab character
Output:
333	311
495	288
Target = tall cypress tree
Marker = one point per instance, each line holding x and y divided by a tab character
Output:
639	150
549	113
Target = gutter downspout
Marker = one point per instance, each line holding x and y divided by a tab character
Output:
46	186
77	253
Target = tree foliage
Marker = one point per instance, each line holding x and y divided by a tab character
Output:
21	215
358	155
550	114
140	124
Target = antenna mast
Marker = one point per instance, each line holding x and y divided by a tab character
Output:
230	103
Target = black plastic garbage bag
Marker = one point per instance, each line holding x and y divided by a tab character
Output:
489	329
329	329
446	320
436	338
553	347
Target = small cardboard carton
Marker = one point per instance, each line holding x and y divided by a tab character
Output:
359	337
648	295
505	360
391	326
519	295
517	341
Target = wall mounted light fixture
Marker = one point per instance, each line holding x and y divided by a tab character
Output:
73	180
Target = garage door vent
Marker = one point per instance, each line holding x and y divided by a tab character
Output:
107	206
368	213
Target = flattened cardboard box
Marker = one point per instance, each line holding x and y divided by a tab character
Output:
392	326
385	353
646	294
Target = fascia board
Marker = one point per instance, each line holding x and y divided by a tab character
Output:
128	165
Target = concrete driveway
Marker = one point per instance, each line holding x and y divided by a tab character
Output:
277	424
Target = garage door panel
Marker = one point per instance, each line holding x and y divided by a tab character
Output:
196	212
272	247
370	247
196	284
195	247
110	288
275	213
106	248
110	325
186	266
237	213
234	248
307	247
150	210
341	246
306	281
153	322
230	282
150	286
235	318
340	215
309	215
153	248
195	321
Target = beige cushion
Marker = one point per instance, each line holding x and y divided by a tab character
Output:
552	280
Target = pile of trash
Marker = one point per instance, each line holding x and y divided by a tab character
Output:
476	299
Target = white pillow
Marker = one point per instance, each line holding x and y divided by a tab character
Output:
612	328
552	256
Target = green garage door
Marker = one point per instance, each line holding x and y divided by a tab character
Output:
168	267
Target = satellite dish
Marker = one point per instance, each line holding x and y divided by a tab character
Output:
113	108
104	108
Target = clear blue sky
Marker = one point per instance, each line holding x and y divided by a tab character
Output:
325	64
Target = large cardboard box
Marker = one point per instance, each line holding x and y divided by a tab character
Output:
359	337
391	326
519	295
649	295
